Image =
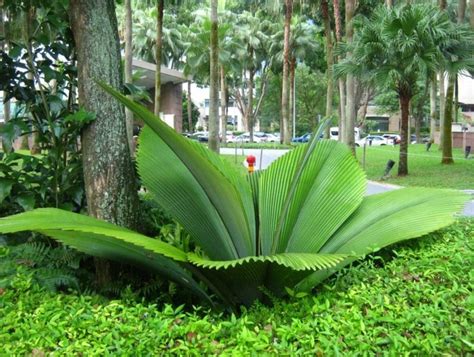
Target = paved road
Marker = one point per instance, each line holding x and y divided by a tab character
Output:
267	156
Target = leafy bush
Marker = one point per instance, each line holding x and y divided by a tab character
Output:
291	226
415	300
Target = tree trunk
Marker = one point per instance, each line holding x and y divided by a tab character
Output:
419	111
442	101
4	47
158	50
214	83
223	108
433	113
292	95
109	176
350	89
329	63
362	112
389	3
285	130
461	11
190	109
448	119
341	81
403	157
249	115
128	70
472	14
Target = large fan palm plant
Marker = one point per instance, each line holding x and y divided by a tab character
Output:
288	226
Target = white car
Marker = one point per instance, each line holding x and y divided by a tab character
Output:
246	139
371	140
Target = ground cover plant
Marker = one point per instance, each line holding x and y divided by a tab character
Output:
415	299
290	226
425	167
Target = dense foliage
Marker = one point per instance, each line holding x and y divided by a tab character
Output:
414	300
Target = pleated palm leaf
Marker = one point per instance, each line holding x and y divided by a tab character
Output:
289	226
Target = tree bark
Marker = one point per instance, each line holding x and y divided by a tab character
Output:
461	11
223	108
190	108
329	63
350	82
292	95
249	113
109	176
472	14
403	156
341	81
433	113
442	102
214	82
158	50
128	70
285	130
448	119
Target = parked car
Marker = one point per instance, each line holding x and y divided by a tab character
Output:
389	138
245	138
272	138
302	139
372	140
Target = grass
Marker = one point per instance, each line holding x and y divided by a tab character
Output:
424	168
416	300
237	161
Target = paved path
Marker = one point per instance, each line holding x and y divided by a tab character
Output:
267	156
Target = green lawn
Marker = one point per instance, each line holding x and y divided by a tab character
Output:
424	167
413	300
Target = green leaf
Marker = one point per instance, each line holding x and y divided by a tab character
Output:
237	239
5	188
394	216
26	201
55	219
122	251
306	195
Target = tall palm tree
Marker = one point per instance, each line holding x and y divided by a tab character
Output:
397	47
285	117
214	82
459	55
329	62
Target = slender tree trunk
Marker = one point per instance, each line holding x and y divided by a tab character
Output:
341	81
442	96
4	47
285	130
419	110
249	115
292	94
109	176
214	82
128	70
448	119
190	109
462	11
223	108
350	89
472	14
158	51
362	112
442	102
329	63
433	113
403	158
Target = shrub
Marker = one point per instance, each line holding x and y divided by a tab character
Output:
291	226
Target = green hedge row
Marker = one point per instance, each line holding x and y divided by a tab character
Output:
416	300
